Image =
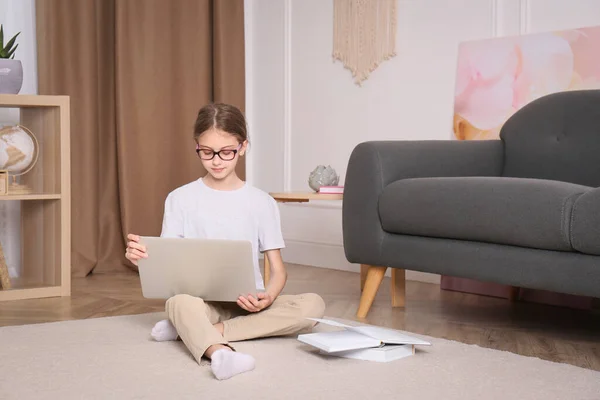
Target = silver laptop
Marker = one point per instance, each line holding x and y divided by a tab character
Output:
214	270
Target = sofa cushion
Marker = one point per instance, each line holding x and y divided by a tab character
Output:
585	223
513	211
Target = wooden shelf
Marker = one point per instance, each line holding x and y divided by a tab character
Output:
31	197
32	100
304	197
31	293
44	246
28	289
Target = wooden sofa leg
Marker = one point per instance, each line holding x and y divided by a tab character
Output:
398	287
363	275
374	277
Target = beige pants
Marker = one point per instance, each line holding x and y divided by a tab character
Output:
193	318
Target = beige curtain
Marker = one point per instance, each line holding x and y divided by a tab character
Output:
137	71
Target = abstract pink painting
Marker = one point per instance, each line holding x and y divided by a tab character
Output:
496	77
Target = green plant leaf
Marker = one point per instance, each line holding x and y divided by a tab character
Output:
11	53
1	36
11	42
2	54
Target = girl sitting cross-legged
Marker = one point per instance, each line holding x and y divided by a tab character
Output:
222	206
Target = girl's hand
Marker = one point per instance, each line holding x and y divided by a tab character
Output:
255	304
135	250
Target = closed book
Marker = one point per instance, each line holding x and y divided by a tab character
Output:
332	342
386	353
331	189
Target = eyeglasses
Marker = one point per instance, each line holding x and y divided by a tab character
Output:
224	154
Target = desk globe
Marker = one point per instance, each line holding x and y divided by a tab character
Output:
19	150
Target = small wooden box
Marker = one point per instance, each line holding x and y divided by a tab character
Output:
3	182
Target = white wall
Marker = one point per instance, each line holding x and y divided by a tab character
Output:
304	109
17	16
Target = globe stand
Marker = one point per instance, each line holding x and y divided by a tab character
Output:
17	188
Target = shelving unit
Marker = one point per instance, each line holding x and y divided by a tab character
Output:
45	269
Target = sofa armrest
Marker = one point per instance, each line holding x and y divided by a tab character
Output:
585	223
374	165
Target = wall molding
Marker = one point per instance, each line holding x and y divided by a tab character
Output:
524	17
291	239
330	256
287	95
495	15
321	204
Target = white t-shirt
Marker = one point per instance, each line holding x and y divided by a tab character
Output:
198	211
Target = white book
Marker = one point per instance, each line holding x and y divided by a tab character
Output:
362	342
387	353
332	342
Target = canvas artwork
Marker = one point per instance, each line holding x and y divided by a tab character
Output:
496	77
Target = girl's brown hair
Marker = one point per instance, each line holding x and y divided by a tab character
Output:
224	117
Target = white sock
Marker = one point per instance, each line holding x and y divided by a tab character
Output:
164	330
226	363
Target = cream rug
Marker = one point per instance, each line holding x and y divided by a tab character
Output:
114	358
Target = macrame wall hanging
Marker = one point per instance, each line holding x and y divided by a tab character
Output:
364	34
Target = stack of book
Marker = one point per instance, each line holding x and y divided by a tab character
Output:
366	342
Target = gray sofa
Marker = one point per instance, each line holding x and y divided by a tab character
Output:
521	211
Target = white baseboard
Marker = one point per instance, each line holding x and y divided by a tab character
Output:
332	257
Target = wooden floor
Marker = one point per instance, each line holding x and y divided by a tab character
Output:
550	333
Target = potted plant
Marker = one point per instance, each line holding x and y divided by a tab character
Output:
11	70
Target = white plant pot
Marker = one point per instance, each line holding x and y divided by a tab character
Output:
11	76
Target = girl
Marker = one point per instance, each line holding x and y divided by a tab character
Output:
222	206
